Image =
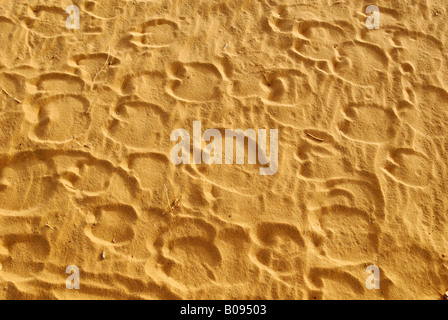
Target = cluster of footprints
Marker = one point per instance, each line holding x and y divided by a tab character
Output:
84	185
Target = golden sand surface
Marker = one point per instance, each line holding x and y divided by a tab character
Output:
86	177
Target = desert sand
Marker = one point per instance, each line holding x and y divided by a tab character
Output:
85	171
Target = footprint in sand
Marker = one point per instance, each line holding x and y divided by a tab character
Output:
88	175
425	110
112	224
90	65
60	118
328	281
236	266
146	86
47	21
25	183
369	123
344	215
186	248
341	232
320	159
26	254
58	82
429	57
154	33
151	169
195	82
361	63
409	167
287	87
317	39
137	124
103	9
282	249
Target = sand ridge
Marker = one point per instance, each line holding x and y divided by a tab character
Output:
86	117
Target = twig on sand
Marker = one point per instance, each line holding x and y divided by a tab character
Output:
16	100
265	78
263	72
314	137
105	64
49	226
167	197
144	52
444	296
76	140
175	204
90	106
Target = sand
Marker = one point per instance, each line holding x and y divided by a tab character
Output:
86	177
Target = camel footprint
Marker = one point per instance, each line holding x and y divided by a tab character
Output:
319	155
87	175
58	82
155	33
103	9
47	21
369	123
314	39
187	248
147	87
24	183
112	224
90	64
195	82
152	169
361	63
427	60
26	254
282	249
345	216
137	124
409	167
60	118
428	116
